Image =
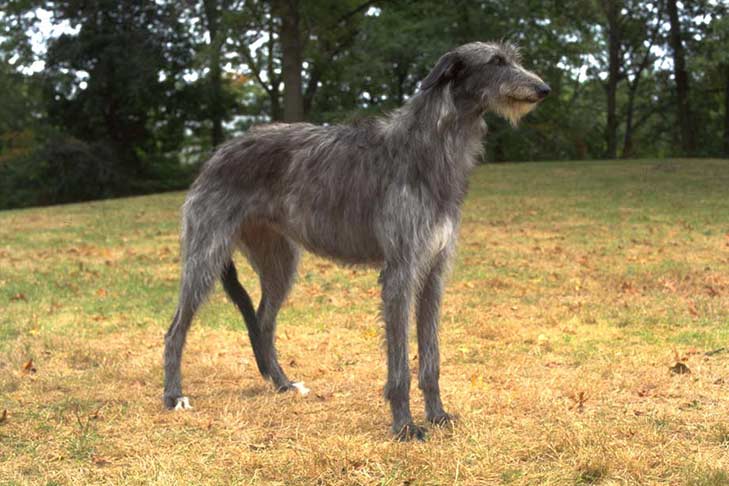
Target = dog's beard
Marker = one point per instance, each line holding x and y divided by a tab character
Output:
514	110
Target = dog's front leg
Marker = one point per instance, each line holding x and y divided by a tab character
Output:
428	316
397	280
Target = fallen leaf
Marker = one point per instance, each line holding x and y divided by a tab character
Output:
693	404
17	297
28	367
692	309
579	401
669	285
692	352
711	291
680	369
627	288
101	292
100	461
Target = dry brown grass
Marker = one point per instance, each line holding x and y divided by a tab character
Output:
573	295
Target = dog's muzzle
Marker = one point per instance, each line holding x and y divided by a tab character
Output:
543	90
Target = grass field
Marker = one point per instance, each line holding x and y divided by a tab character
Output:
578	286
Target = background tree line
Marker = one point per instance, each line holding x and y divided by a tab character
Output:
128	96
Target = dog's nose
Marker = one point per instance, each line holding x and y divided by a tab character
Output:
543	90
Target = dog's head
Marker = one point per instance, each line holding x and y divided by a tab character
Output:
488	77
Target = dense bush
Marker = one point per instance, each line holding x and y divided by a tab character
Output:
64	169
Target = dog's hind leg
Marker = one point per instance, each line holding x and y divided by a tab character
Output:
242	300
275	258
206	248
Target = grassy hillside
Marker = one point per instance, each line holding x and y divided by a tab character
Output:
578	287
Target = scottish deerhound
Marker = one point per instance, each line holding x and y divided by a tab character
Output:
385	192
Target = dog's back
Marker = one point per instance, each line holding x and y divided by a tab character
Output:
307	182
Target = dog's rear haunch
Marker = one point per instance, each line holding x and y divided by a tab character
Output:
385	192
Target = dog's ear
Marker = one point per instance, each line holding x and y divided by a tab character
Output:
445	70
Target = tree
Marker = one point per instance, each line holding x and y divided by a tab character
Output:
292	58
682	83
213	12
611	10
19	110
115	81
212	23
295	45
641	34
136	83
726	110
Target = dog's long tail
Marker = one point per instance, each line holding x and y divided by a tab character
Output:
242	300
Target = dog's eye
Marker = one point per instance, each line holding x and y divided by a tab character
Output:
497	60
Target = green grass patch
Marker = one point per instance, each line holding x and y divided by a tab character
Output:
576	288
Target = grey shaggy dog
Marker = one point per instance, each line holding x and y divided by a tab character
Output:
385	192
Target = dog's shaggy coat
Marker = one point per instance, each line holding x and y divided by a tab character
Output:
385	192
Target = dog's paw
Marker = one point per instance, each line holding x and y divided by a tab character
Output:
294	385
409	432
182	403
443	419
299	385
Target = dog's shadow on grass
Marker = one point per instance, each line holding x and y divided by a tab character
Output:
255	391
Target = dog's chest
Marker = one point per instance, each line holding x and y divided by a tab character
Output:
441	236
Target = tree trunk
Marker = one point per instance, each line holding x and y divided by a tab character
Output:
274	94
292	60
215	100
682	85
726	111
613	78
628	139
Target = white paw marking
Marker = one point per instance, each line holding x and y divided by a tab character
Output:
183	403
299	385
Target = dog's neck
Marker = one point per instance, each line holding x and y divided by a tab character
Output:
433	115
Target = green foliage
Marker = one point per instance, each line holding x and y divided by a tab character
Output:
115	81
135	94
63	169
